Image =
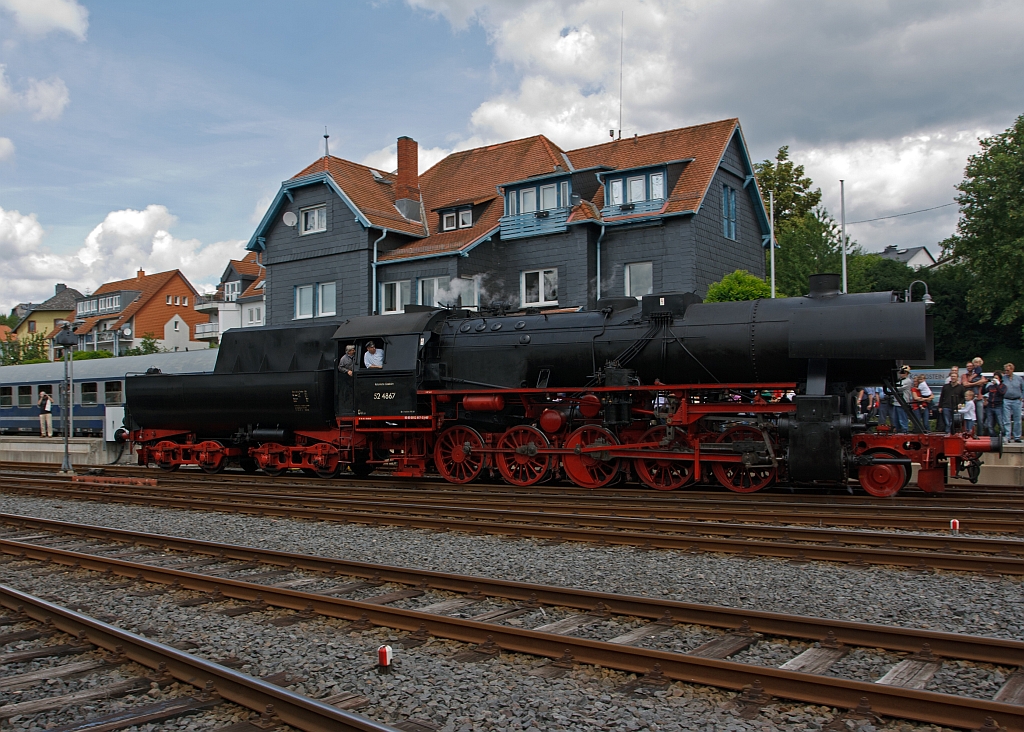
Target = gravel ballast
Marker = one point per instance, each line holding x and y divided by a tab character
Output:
500	694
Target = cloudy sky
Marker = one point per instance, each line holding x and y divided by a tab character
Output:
155	134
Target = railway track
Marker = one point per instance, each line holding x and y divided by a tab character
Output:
636	634
989	556
140	666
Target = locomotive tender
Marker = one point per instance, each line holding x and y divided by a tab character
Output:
667	389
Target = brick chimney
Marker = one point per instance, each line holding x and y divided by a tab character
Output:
407	188
140	274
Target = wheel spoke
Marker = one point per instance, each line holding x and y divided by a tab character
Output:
741	478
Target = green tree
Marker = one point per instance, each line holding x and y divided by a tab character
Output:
740	285
145	348
807	245
8	320
30	349
989	240
793	195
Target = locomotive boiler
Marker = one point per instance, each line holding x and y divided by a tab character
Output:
665	390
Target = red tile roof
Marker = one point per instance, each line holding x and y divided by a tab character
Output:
6	333
254	289
247	266
472	177
147	285
373	195
705	143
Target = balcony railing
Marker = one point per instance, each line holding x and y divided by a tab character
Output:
104	335
207	330
535	223
626	209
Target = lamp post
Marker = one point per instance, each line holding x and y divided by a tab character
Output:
926	298
68	340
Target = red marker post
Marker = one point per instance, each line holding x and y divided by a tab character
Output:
384	657
954	526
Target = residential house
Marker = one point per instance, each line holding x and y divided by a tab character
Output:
253	302
523	223
119	314
913	257
47	317
225	307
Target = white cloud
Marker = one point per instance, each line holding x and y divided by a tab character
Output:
44	99
113	250
39	17
6	148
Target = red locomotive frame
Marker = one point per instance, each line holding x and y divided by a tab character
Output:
668	436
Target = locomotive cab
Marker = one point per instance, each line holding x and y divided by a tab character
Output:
388	391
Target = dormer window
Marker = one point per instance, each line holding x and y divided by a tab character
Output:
461	219
465	218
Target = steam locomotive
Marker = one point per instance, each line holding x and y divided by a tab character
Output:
665	390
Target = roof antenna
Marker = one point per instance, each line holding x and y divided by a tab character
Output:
327	150
622	34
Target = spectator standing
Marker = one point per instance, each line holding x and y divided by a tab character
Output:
973	380
950	397
922	396
900	417
45	415
994	392
967	410
1011	403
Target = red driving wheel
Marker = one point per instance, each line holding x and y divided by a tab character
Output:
590	469
882	480
738	477
458	454
518	460
664	474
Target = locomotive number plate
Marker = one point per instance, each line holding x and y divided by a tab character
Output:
300	400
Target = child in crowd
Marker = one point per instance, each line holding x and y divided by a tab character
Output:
967	410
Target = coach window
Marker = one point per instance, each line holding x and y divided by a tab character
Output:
89	392
112	392
24	396
6	396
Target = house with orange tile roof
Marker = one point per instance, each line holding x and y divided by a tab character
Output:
119	314
233	300
523	223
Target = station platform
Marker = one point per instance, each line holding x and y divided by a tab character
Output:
50	450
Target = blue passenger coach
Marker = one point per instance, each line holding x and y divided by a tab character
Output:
98	390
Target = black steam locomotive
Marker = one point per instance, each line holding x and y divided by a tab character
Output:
667	390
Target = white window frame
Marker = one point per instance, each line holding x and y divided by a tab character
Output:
434	284
531	194
642	180
660	177
627	274
177	325
399	289
184	300
615	192
541	302
297	314
319	219
465	218
327	299
548	197
259	315
232	290
170	300
564	190
510	203
448	221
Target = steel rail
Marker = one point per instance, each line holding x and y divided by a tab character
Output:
294	709
924	706
562	529
973	648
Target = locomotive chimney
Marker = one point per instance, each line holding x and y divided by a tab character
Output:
407	188
824	285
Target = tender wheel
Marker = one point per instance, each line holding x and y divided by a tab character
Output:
661	474
273	470
517	457
884	480
458	454
590	469
163	455
737	476
210	456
